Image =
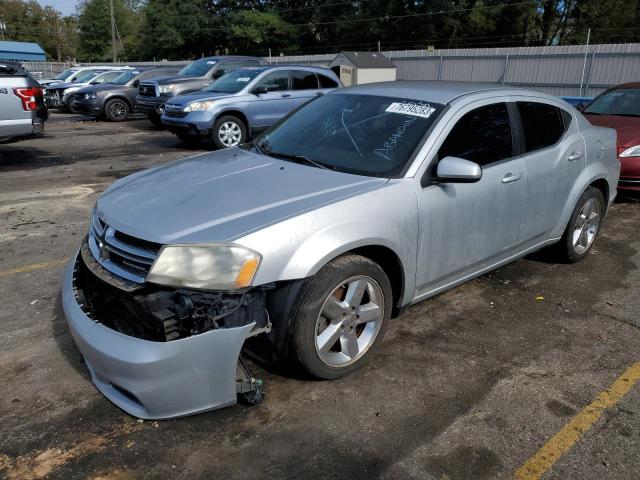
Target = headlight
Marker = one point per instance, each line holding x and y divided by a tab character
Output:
631	152
199	106
207	267
90	96
167	88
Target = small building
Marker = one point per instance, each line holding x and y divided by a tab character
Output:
356	68
21	52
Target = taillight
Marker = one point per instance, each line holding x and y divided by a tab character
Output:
29	97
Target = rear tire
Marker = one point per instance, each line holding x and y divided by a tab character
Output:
229	131
340	317
583	227
117	110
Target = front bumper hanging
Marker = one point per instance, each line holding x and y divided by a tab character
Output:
162	379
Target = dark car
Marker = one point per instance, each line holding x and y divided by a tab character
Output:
117	99
619	108
152	95
22	108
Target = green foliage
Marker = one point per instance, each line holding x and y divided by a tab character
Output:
183	29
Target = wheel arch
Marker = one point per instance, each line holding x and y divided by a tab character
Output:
117	97
236	113
602	185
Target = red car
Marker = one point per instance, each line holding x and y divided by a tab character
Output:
619	108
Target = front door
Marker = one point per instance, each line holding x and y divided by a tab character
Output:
465	227
273	99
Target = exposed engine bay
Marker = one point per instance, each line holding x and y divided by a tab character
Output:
160	314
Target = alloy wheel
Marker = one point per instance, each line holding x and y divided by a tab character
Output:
230	134
117	111
586	226
349	321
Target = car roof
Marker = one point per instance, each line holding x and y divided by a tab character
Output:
220	58
262	68
628	85
426	90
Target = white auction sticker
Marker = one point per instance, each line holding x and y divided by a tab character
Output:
243	79
211	62
407	108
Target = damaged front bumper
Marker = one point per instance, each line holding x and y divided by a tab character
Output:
159	379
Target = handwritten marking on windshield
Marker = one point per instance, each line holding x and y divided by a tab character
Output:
347	130
392	142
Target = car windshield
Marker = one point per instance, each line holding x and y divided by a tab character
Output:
124	77
198	68
621	101
63	74
233	82
86	76
360	134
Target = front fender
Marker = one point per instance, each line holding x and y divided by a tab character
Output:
300	246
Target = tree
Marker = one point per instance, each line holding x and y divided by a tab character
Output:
255	32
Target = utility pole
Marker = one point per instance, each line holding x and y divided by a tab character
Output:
2	27
584	64
113	32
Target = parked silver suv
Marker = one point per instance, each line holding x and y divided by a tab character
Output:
22	109
359	204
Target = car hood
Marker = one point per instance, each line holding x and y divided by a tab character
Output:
627	128
105	87
219	196
193	97
175	80
64	85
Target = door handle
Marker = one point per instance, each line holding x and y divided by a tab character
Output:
575	156
511	177
286	95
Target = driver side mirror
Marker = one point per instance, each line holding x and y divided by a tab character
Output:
260	90
94	83
581	106
135	84
458	170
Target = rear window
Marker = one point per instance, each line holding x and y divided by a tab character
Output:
304	80
543	124
326	82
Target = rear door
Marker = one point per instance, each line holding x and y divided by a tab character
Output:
554	156
267	108
304	87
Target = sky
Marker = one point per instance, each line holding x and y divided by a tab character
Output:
67	7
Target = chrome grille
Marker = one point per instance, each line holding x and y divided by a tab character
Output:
121	254
147	90
172	110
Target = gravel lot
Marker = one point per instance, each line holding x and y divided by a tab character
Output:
469	384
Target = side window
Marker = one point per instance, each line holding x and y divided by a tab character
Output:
275	81
107	77
304	80
543	124
483	136
326	82
230	66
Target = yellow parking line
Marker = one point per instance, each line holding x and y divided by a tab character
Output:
32	267
566	438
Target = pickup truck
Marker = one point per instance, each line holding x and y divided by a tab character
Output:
152	95
22	108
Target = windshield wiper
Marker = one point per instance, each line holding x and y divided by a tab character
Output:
298	159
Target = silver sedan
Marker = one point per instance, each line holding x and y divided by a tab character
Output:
313	236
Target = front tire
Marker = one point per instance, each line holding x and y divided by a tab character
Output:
341	316
583	227
117	110
229	131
